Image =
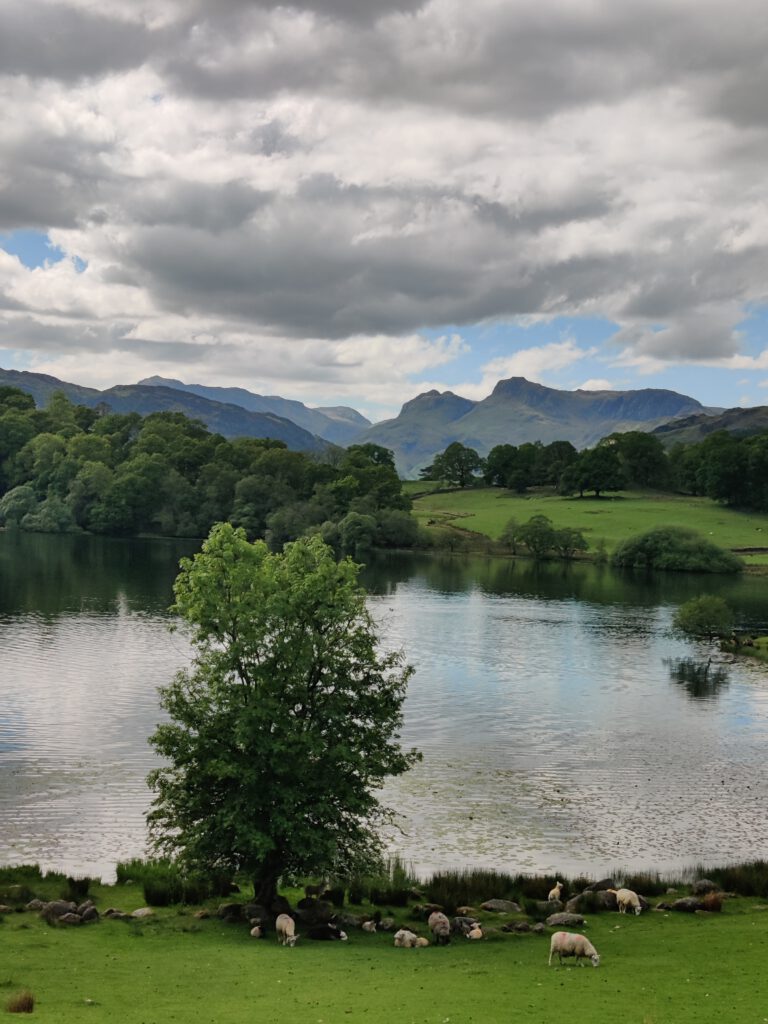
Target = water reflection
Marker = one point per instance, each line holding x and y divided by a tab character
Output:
541	701
701	680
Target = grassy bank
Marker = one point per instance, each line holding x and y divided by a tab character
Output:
609	520
658	968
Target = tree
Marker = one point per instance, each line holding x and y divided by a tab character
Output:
705	616
286	725
568	541
596	469
538	535
457	464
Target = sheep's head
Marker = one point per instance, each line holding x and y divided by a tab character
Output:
595	958
343	936
291	940
638	911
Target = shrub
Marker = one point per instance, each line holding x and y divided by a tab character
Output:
704	616
713	902
452	889
162	891
646	883
750	879
675	549
22	1002
77	889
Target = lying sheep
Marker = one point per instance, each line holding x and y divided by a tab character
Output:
440	927
286	930
554	894
405	939
421	942
627	899
475	933
368	926
256	932
569	944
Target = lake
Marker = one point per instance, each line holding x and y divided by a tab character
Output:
563	726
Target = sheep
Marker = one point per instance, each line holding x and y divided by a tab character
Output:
475	933
324	932
570	944
627	899
421	942
440	927
405	939
554	894
285	927
256	931
368	926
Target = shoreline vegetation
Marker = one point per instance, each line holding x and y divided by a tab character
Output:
142	960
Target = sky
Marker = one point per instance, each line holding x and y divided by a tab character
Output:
348	202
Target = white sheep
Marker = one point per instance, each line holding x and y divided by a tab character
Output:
440	927
286	930
476	932
405	939
570	944
368	926
554	894
421	942
627	899
256	931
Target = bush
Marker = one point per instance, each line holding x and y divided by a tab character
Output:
22	1002
77	889
674	549
704	616
713	902
646	883
750	879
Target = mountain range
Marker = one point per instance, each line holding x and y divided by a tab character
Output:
516	411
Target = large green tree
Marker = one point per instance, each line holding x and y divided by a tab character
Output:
286	725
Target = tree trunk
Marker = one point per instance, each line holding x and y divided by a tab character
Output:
265	881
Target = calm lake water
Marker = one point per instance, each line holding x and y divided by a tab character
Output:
556	731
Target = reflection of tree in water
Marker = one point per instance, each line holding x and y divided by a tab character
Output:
700	679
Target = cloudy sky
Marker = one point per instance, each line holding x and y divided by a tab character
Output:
351	201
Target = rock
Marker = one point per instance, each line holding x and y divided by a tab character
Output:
112	912
69	918
538	929
319	913
251	910
231	912
347	920
57	908
84	906
516	926
143	913
90	915
35	905
201	915
466	911
5	909
387	924
688	905
547	907
604	883
671	891
280	905
704	885
462	925
500	907
564	920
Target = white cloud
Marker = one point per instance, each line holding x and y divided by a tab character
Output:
595	384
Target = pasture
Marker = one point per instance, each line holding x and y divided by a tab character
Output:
660	968
607	520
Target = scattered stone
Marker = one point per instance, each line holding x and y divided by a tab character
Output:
84	906
688	905
35	905
142	913
501	907
547	907
90	915
52	911
202	915
233	913
387	924
320	912
704	885
565	920
347	920
538	928
516	926
462	925
5	909
604	883
466	911
69	918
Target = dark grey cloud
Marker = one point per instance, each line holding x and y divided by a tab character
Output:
53	40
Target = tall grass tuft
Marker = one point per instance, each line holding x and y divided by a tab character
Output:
77	888
647	883
22	1002
750	879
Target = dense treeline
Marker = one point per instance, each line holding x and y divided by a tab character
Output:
68	467
725	467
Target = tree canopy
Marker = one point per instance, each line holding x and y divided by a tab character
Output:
286	725
706	616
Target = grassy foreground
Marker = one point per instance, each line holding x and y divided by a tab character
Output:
660	968
609	520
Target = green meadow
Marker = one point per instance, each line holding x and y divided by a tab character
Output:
660	968
607	520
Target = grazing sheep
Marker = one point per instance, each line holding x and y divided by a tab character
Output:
627	899
368	926
554	894
421	941
475	933
285	927
405	939
256	931
440	927
569	944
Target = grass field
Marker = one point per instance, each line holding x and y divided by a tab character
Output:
610	519
660	968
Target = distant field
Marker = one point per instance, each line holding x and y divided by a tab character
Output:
612	519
